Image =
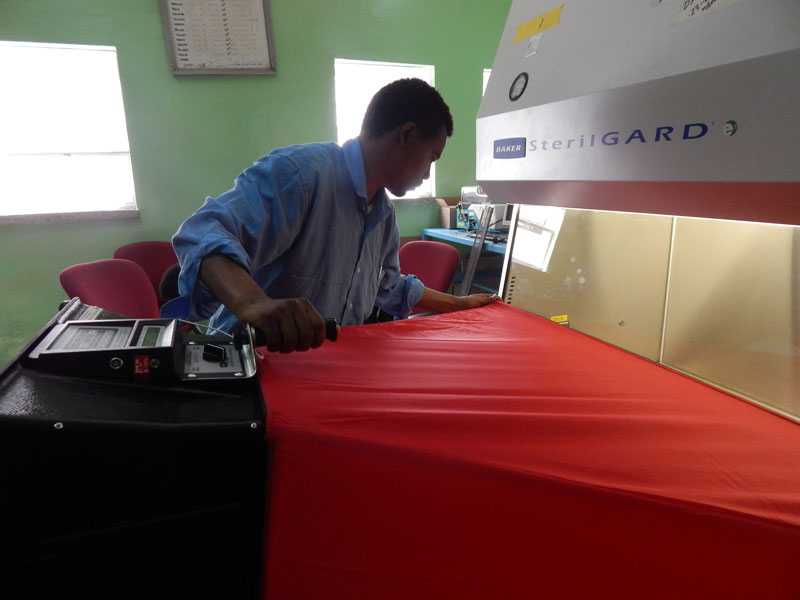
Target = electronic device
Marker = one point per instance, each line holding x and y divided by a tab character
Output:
144	349
471	206
469	216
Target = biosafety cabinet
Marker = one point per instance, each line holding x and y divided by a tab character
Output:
652	150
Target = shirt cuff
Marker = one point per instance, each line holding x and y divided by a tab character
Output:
415	290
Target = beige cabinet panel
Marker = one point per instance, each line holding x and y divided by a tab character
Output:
606	271
732	315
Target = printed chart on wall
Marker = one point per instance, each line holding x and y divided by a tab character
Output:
219	37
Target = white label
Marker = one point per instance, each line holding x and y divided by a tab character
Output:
533	45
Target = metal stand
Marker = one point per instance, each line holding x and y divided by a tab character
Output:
475	251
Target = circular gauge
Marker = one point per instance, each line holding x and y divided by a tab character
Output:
731	127
518	87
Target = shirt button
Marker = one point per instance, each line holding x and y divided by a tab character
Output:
358	270
351	305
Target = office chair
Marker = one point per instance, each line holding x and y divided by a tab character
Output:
154	257
434	263
168	286
116	285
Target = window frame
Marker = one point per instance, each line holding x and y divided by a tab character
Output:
350	61
128	211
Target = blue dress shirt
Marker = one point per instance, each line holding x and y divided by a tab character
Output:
298	220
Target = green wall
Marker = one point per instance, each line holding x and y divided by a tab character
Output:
190	137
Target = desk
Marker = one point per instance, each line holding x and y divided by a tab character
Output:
460	237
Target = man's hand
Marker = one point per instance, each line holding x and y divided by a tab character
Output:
289	325
475	300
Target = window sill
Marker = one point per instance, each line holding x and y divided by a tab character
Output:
96	215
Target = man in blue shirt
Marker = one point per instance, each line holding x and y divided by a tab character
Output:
307	231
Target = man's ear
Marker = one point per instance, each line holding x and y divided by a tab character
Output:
406	131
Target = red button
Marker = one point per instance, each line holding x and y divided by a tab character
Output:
141	365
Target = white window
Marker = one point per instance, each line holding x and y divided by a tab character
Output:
64	144
486	74
536	235
356	82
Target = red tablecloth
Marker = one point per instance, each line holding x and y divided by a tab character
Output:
493	454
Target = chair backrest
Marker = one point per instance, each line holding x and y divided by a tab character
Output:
434	263
117	285
168	288
154	257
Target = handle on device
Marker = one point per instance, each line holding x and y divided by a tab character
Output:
259	339
331	330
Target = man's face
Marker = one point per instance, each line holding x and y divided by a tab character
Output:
412	157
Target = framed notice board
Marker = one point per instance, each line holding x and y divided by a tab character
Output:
219	37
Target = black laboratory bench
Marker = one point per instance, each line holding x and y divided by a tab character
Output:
124	488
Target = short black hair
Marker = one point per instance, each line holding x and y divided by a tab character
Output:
403	101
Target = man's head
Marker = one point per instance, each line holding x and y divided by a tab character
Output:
411	123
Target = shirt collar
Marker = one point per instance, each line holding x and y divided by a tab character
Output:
354	159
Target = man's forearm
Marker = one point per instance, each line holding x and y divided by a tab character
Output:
288	324
231	284
439	301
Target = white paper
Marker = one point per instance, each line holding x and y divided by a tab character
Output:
219	34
